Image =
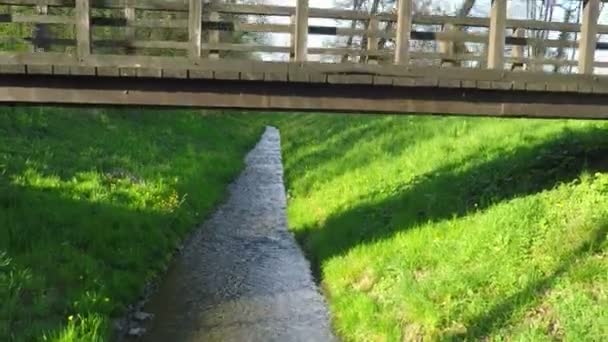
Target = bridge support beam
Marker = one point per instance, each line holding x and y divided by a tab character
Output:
404	28
279	96
588	41
496	48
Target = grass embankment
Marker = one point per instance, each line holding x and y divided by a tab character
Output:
92	204
452	228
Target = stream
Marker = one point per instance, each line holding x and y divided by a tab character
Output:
242	276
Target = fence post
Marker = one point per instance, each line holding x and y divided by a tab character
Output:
404	28
214	36
41	31
496	48
292	53
83	29
446	48
129	29
588	41
518	50
373	40
195	26
301	31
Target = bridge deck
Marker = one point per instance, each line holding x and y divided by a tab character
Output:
92	66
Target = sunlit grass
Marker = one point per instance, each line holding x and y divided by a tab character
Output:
450	228
93	204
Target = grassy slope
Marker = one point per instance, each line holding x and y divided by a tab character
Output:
92	203
451	228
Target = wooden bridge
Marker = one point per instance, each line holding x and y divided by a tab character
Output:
184	53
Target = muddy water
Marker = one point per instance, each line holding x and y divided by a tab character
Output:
242	277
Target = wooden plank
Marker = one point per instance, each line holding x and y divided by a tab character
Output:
383	80
468	84
245	48
39	69
301	31
496	45
275	77
83	29
295	97
170	5
252	76
226	75
298	75
286	11
82	70
404	26
450	83
145	44
350	79
200	74
12	69
61	70
501	85
175	73
588	40
318	78
128	72
426	82
108	72
536	86
404	81
584	88
149	73
41	18
195	22
559	87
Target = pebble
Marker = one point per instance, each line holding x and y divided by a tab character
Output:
137	332
142	316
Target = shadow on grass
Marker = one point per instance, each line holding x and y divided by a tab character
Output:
498	316
69	255
109	194
454	192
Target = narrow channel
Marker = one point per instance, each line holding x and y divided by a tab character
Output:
242	276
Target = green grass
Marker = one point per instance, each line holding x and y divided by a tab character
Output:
93	203
453	229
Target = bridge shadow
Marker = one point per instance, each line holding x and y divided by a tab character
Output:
453	192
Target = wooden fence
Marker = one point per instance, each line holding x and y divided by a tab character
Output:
184	34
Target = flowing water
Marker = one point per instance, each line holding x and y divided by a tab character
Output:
242	277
